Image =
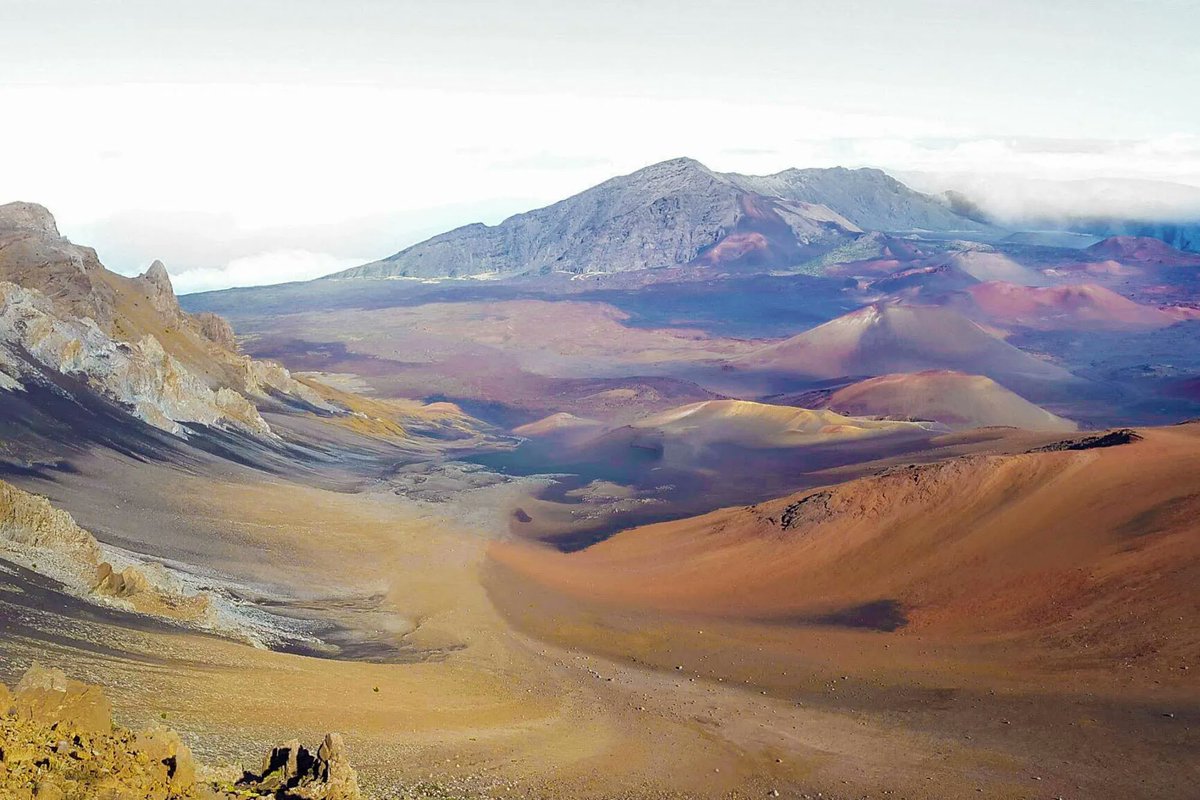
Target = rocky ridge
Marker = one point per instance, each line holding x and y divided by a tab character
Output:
140	375
126	338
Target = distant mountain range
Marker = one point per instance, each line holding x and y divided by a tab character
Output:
680	212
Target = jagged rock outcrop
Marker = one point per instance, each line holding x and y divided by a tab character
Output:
34	256
292	772
30	524
141	375
268	378
680	212
159	288
126	337
57	740
47	539
216	329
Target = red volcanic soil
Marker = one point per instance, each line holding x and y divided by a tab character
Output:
881	339
952	398
1086	305
1085	560
736	247
1040	610
1143	249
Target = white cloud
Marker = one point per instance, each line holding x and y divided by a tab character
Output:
278	266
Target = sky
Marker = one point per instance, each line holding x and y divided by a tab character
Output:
257	141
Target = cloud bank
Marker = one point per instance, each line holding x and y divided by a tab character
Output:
211	134
279	266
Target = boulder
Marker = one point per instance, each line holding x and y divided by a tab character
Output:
47	696
126	583
170	757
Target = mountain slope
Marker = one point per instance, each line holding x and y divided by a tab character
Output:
1073	553
1085	306
870	198
952	398
749	424
678	212
82	349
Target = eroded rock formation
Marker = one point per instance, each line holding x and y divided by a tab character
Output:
127	338
35	533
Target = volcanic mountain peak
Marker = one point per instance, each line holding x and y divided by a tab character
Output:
682	168
679	212
27	216
971	533
870	198
560	422
986	265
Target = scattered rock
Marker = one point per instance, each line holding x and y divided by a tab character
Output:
1110	439
57	741
813	508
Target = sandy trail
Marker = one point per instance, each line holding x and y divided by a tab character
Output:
482	708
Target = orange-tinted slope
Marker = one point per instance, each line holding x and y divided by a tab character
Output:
1085	557
952	398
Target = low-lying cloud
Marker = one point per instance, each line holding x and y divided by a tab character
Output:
278	266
